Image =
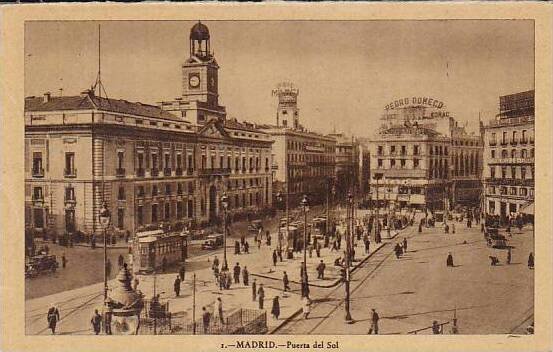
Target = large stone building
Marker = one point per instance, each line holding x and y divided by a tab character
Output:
347	169
150	164
423	158
303	161
509	156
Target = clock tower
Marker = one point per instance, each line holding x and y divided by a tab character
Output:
200	79
287	110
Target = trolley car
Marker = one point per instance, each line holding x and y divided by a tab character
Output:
157	248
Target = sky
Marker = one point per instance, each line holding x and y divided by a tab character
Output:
346	71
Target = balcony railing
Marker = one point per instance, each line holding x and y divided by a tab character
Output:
70	172
178	171
154	172
38	172
493	143
531	140
504	143
140	172
120	172
70	199
514	142
214	172
524	141
166	171
189	171
512	161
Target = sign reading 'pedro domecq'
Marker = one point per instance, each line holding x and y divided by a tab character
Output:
415	101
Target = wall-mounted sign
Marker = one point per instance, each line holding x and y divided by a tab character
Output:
405	102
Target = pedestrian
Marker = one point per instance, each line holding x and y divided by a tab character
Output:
321	270
275	310
182	272
453	228
318	249
245	276
261	295
176	286
509	255
420	227
279	252
374	323
206	317
268	239
275	257
258	243
436	328
242	239
254	289
404	245
397	250
449	261
223	279
246	247
236	247
220	309
334	246
108	268
96	322
63	260
107	319
310	248
120	260
237	271
531	261
306	307
53	317
286	282
135	283
215	261
446	228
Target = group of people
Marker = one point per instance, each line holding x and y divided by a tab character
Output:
400	248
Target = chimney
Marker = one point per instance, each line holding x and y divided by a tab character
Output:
46	97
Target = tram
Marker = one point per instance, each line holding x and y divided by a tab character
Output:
156	248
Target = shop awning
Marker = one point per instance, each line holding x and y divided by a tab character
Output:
527	209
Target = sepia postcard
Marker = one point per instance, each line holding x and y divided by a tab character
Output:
331	176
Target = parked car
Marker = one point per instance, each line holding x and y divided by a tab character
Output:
213	241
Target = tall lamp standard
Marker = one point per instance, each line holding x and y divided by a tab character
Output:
105	218
304	278
377	176
349	209
224	203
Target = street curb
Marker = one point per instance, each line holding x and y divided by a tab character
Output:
285	321
337	281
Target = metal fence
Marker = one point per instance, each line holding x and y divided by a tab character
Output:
240	322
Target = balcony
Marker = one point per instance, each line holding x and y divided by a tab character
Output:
70	200
509	161
139	172
189	171
120	172
514	142
214	172
493	143
38	172
166	171
524	141
140	195
70	172
154	172
504	143
531	140
178	171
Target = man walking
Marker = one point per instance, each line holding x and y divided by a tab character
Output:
206	317
261	295
285	282
53	317
63	261
254	290
176	286
120	260
449	261
96	322
404	245
275	257
237	271
374	323
220	309
321	270
245	276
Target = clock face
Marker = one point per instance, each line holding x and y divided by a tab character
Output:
194	81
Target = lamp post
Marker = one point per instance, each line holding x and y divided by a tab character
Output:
304	278
224	203
105	218
377	176
279	200
349	210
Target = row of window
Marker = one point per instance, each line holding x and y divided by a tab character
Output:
300	146
513	172
514	153
525	137
513	191
69	166
309	158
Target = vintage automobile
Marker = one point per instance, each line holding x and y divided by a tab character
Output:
254	226
495	239
213	241
40	264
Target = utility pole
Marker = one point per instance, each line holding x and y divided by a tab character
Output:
194	304
349	212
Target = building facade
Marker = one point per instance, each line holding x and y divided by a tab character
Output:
303	161
150	164
509	156
347	169
423	159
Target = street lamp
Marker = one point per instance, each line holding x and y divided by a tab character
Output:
279	200
349	209
304	278
377	176
105	218
224	203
